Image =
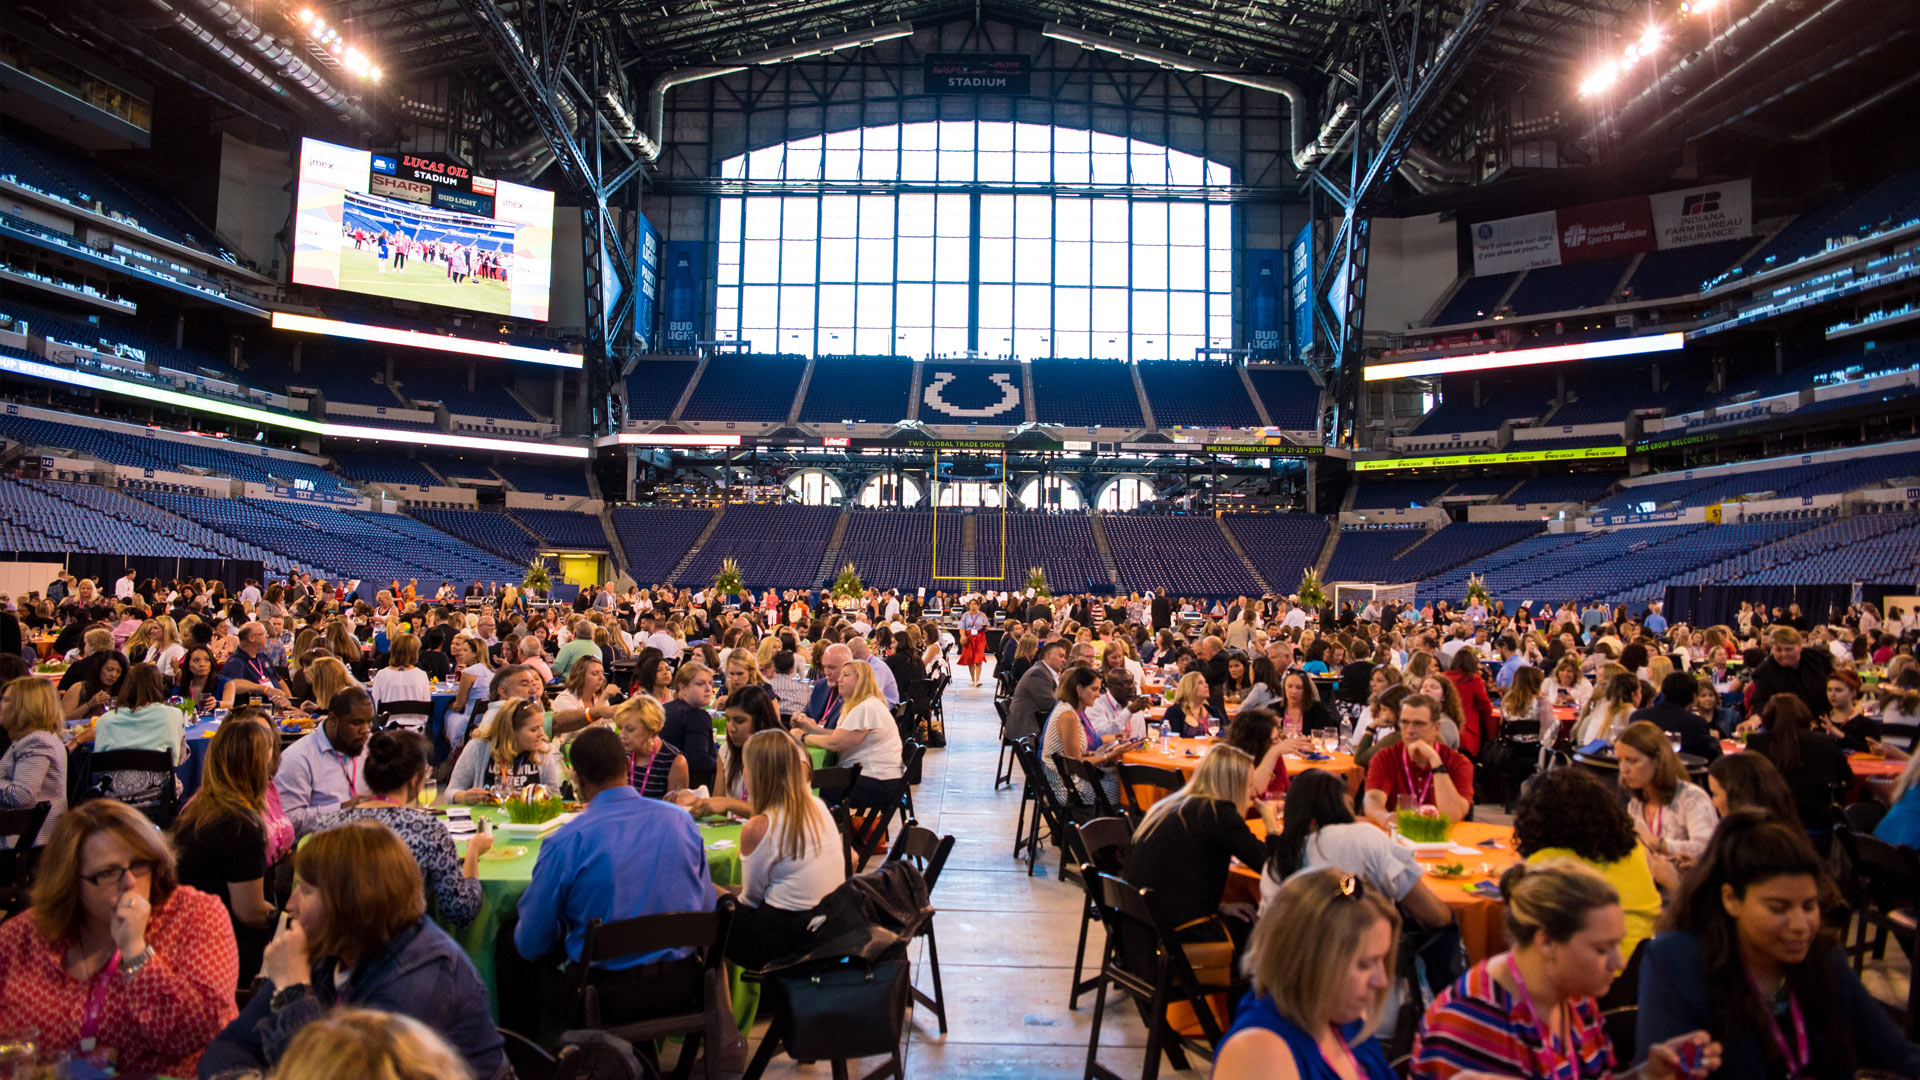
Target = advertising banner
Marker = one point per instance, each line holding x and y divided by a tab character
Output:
1703	215
685	265
1266	304
1300	292
1604	230
1516	243
395	188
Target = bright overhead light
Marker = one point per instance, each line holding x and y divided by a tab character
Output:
306	16
1650	40
1602	78
1551	354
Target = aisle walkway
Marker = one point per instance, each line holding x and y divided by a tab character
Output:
1006	939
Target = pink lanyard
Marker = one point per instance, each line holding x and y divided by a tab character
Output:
1406	770
1797	1059
96	1004
648	775
1549	1043
1654	819
1093	740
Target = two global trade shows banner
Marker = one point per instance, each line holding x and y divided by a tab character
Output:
1705	214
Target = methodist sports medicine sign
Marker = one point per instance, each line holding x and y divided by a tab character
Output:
1672	219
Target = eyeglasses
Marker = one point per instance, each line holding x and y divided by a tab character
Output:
139	868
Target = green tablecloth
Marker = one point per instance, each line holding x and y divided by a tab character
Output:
502	880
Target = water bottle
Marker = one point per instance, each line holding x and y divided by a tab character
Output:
1346	734
1166	738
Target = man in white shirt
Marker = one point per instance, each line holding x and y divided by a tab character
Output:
668	645
882	674
1456	640
1113	714
1295	618
860	624
123	589
893	607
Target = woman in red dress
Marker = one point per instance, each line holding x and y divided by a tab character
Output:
973	640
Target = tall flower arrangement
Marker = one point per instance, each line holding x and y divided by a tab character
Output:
727	582
1037	581
1310	594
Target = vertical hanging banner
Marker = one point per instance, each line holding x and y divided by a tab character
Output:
649	284
1300	293
1266	303
683	285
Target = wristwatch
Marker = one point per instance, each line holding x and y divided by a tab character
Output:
132	965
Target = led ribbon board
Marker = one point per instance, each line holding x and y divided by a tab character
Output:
1516	457
414	339
1551	354
268	418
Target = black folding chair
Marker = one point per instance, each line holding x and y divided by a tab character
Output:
833	782
1151	776
1003	766
928	852
1105	841
709	1017
529	1060
911	751
19	829
389	709
1153	980
1046	807
160	803
1086	788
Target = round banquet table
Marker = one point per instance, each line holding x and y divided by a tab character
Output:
1185	755
502	880
1481	918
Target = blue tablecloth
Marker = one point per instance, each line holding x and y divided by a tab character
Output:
199	735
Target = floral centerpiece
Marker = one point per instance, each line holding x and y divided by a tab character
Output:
1310	595
1037	581
848	591
1477	591
533	805
1426	825
728	582
538	578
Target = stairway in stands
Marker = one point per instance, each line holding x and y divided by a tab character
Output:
1106	549
830	558
705	534
1234	543
969	547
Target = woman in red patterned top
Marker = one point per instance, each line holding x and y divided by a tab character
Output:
116	960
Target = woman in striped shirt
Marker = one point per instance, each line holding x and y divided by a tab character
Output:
1534	1011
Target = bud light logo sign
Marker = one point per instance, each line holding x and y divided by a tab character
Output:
683	273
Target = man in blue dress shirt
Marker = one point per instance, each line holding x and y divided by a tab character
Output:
625	856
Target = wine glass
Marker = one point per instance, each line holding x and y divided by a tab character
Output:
19	1052
429	791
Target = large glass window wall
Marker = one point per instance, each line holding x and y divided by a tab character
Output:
1144	272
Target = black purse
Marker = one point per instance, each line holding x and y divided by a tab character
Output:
831	1008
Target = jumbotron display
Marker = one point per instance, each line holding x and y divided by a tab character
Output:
421	228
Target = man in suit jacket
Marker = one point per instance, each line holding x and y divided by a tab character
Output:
1162	610
1033	696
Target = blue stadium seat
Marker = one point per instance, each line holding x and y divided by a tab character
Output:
1189	394
863	389
746	389
1085	393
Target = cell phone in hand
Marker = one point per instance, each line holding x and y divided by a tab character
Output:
1690	1055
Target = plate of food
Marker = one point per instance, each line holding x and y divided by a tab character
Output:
1449	871
502	854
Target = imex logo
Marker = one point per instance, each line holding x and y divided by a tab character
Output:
1701	202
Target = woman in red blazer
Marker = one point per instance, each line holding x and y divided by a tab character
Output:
1477	724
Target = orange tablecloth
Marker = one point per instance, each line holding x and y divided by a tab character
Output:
1869	766
1481	919
1340	763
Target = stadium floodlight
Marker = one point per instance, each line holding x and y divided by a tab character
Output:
1602	78
388	335
1552	354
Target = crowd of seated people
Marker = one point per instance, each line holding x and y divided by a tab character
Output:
606	701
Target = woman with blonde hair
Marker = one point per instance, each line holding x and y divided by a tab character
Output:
866	736
366	1044
790	854
1524	700
1182	848
1192	707
1321	961
509	752
34	768
1607	713
656	768
342	643
1419	666
326	676
475	667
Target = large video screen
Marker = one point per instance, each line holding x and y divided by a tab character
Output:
422	228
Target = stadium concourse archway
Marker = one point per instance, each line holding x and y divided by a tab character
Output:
816	488
1125	492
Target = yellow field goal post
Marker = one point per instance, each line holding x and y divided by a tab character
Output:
955	541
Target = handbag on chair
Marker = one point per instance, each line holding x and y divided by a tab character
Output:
832	1008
